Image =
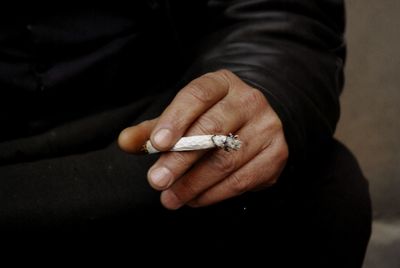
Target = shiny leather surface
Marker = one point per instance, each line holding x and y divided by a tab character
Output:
63	63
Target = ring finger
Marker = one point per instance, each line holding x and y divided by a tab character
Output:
216	166
222	118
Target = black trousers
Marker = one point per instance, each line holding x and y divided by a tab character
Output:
72	184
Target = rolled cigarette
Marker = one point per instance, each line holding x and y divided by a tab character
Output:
201	142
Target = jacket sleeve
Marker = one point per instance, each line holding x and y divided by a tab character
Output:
292	50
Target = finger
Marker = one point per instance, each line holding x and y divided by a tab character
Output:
216	166
191	102
222	118
132	139
262	171
171	166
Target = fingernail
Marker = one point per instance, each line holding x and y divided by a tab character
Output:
160	176
170	200
163	137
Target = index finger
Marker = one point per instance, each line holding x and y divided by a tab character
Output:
191	102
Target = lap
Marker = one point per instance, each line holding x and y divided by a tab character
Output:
319	214
322	209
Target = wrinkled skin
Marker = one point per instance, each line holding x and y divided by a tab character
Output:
215	103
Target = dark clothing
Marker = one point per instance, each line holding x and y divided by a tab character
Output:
66	63
72	78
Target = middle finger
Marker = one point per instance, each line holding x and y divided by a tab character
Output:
216	166
222	118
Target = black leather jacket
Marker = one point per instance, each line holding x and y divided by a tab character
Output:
61	63
292	50
71	78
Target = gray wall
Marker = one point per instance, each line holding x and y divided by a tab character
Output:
370	123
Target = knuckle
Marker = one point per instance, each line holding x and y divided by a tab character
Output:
199	92
280	148
225	106
222	162
266	184
223	77
269	179
274	120
277	125
282	154
251	102
253	98
238	184
225	74
207	124
271	124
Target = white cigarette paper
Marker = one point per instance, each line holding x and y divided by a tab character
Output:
230	142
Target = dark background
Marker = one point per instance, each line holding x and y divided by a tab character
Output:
370	123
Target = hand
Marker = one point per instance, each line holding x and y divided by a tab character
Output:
215	103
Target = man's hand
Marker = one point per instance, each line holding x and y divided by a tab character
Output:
215	103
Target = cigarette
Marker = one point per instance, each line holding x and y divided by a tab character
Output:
201	142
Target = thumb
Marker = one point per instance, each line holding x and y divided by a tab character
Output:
132	139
